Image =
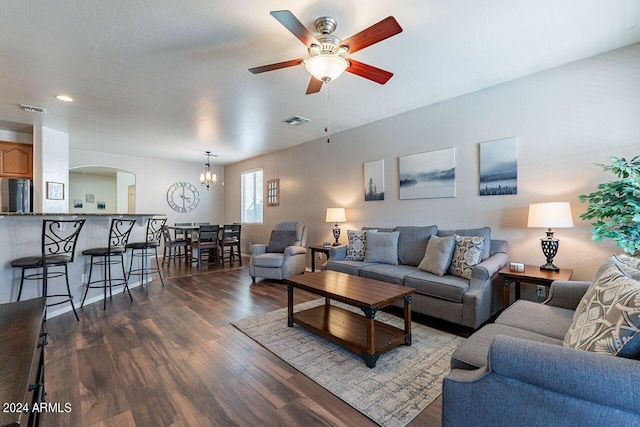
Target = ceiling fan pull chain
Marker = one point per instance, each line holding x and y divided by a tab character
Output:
326	129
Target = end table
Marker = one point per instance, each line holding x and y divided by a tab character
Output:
531	274
318	248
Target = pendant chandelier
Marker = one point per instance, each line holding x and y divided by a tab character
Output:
207	178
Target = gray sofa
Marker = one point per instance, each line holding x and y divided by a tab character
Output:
517	372
467	302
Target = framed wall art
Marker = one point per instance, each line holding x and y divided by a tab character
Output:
428	175
499	167
374	180
55	190
273	192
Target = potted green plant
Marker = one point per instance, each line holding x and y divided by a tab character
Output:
615	206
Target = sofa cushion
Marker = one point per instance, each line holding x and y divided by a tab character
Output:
607	319
298	227
280	240
451	288
469	232
387	273
467	253
542	319
412	243
345	266
357	245
270	260
382	248
472	354
437	255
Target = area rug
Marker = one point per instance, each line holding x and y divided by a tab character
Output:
403	383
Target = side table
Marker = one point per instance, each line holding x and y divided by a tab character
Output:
531	274
317	248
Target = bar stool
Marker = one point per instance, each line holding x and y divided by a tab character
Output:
59	240
111	255
171	246
152	241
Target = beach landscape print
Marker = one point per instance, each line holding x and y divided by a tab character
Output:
374	180
428	175
499	167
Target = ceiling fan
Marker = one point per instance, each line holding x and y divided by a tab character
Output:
327	53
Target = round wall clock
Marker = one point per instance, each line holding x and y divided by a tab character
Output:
183	197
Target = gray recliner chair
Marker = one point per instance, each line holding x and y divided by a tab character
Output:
268	262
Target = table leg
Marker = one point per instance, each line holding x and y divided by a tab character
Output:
290	305
313	260
407	320
517	290
370	356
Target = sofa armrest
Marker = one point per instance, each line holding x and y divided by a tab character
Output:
566	294
477	300
544	384
294	250
337	253
484	271
258	249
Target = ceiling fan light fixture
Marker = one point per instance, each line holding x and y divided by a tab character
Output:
326	67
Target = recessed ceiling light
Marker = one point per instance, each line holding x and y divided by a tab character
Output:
64	98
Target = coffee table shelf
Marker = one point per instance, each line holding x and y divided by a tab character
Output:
348	329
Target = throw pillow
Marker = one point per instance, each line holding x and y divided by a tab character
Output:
280	239
470	232
382	248
467	253
356	245
608	318
413	242
437	256
629	265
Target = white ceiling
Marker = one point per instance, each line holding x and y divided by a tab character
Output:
169	79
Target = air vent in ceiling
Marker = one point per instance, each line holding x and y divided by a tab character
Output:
296	120
32	109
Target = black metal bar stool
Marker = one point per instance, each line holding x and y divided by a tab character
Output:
155	227
111	255
59	240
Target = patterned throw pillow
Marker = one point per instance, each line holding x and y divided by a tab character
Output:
357	245
607	319
466	255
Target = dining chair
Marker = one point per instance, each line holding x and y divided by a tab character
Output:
231	242
208	240
173	248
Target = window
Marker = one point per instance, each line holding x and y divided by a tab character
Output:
252	196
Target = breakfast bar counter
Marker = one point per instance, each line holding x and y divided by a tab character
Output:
21	235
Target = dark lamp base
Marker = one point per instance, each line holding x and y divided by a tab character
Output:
549	267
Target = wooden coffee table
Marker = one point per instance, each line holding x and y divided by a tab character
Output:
363	335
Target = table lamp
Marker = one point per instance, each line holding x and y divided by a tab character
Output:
550	215
336	215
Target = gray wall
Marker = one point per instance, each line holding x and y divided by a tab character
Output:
566	119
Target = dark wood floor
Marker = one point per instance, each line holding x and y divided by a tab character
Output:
171	358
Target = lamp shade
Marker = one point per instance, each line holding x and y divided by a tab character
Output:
550	215
336	215
326	67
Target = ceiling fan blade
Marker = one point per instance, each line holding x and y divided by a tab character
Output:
276	66
376	33
292	24
370	72
314	86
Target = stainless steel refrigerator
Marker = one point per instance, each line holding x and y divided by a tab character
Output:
15	195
